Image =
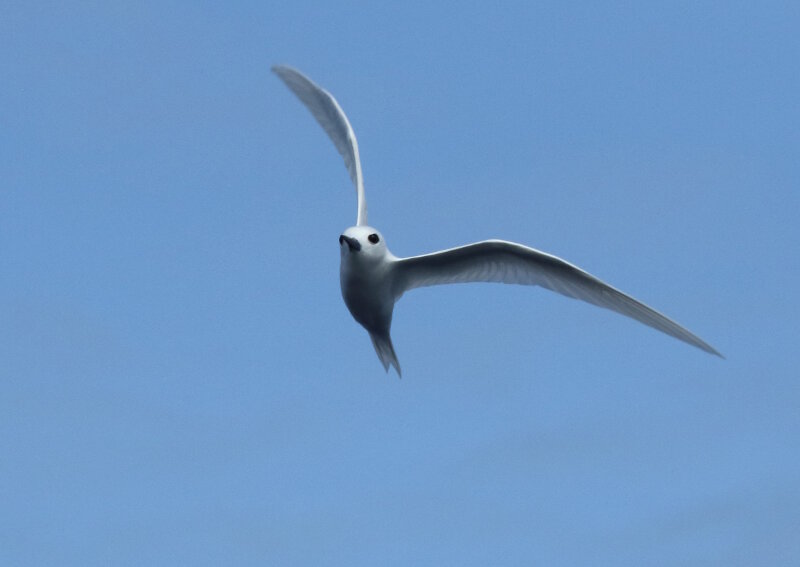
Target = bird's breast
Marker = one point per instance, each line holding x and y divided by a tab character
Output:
367	295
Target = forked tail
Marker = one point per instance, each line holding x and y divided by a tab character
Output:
385	350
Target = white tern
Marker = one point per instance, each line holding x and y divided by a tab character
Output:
373	279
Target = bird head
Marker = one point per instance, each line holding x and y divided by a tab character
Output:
363	243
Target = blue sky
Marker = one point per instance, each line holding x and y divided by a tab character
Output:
181	383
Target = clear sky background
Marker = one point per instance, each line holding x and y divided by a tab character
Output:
181	383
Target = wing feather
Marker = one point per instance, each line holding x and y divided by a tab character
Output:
335	123
511	263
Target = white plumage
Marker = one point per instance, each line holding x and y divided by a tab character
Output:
333	120
373	279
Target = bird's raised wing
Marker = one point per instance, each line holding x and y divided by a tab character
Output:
333	120
507	262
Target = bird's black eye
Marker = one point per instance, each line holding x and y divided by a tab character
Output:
374	238
341	239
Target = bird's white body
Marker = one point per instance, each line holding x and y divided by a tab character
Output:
366	279
367	291
367	276
373	279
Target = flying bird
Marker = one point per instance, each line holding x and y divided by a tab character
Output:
373	279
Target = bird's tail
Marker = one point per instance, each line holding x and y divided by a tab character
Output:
385	350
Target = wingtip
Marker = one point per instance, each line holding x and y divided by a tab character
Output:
283	70
705	347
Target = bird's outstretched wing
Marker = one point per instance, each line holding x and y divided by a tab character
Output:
507	262
333	120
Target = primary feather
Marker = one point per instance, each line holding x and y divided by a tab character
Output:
335	123
508	262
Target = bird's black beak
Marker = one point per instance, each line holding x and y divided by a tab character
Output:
353	244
